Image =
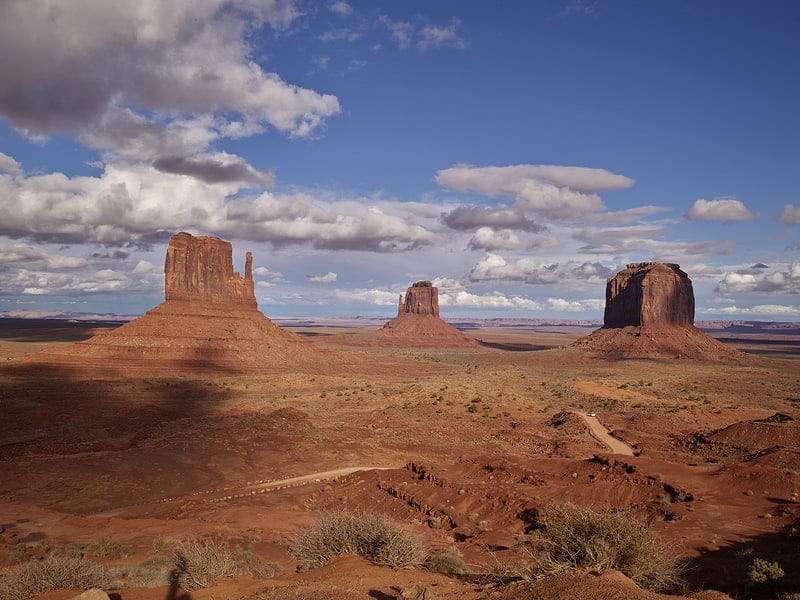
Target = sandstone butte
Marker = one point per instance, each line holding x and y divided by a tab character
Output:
649	313
209	319
418	322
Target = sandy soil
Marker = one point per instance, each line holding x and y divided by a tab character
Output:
459	446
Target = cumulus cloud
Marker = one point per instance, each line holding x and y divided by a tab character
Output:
777	281
34	256
487	238
339	34
556	192
145	266
340	7
494	300
592	271
215	168
467	218
494	267
724	210
8	164
561	305
779	310
267	273
328	277
94	69
374	296
789	215
139	204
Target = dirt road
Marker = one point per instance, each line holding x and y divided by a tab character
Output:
601	434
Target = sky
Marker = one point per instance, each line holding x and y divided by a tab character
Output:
518	154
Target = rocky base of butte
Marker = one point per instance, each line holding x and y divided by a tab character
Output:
649	313
418	322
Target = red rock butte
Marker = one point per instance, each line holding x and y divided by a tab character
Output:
649	314
209	320
418	322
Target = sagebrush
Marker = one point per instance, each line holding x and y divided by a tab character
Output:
52	573
372	536
571	536
199	564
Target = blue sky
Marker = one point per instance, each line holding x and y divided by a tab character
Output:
516	153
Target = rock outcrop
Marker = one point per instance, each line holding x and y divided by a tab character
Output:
200	269
650	313
418	322
649	293
208	321
421	299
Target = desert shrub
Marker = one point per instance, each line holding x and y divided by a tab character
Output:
765	572
199	564
106	547
52	573
372	536
253	565
571	536
447	560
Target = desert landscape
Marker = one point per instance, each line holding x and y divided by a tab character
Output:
203	420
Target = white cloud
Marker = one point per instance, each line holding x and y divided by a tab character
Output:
425	37
339	34
8	164
441	36
464	298
494	267
328	277
374	296
265	272
724	210
758	310
790	215
120	74
340	7
487	238
784	279
553	191
561	305
138	203
145	266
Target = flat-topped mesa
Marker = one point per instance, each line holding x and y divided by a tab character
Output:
649	293
200	269
421	299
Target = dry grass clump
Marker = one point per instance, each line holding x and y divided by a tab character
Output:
54	572
199	564
572	536
372	536
447	560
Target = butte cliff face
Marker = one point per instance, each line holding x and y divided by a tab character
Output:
421	299
650	313
209	320
418	323
649	293
200	269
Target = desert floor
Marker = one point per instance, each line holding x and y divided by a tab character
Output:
458	446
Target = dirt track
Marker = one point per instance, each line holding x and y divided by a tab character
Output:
601	434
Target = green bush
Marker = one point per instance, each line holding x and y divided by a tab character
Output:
372	536
55	572
572	536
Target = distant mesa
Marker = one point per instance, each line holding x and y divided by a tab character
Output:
418	322
209	319
650	313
